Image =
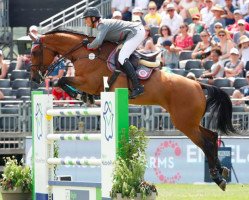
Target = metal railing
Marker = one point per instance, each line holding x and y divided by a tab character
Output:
15	117
71	17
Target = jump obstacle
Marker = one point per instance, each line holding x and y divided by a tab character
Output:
114	124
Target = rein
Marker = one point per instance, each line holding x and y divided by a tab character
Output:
63	57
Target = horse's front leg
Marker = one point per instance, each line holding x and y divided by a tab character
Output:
64	83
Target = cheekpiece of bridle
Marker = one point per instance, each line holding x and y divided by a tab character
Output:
40	67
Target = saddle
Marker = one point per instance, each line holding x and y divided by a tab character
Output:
143	63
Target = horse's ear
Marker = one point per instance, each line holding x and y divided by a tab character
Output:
33	37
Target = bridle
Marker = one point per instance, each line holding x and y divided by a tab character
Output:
41	68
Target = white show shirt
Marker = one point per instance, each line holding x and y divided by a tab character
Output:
244	56
142	4
174	23
220	72
206	16
121	4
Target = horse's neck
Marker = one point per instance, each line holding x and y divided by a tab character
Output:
62	42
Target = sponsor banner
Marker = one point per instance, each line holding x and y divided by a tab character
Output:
170	160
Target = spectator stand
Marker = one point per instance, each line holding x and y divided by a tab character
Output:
221	82
184	57
228	90
240	82
208	64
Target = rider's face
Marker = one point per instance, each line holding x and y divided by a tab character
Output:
88	21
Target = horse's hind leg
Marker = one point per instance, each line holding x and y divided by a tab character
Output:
206	143
188	123
213	136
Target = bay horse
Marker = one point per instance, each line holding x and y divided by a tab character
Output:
183	98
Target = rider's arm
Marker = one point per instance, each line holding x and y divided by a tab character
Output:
102	31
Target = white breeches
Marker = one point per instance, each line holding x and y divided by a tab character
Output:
131	45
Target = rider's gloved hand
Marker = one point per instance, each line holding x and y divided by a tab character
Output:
85	42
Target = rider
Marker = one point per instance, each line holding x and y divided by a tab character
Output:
130	33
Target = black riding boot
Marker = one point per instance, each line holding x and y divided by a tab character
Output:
138	89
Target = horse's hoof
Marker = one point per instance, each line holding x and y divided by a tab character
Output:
225	172
91	99
223	184
84	97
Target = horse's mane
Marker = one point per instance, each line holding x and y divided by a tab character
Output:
64	30
70	31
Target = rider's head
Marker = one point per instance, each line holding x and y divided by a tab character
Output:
91	15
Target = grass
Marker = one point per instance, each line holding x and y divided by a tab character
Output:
202	192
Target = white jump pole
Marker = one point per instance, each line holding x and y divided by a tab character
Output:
74	161
114	124
73	112
82	137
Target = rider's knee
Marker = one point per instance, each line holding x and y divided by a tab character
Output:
121	59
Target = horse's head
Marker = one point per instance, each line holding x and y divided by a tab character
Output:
41	57
67	43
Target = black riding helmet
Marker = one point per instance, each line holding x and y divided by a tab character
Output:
91	12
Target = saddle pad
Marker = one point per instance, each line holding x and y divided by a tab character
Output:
142	72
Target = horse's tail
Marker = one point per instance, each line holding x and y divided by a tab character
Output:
221	108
